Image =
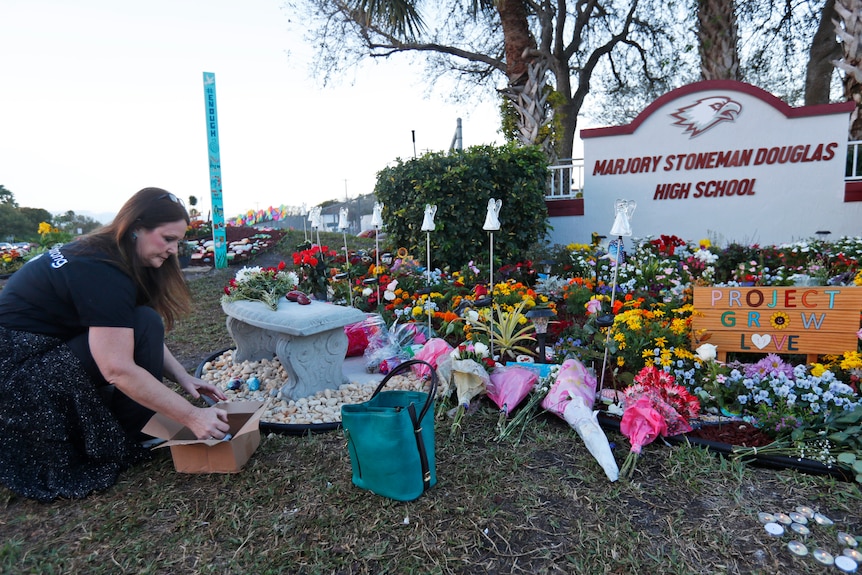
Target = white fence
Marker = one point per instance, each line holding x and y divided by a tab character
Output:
566	180
854	160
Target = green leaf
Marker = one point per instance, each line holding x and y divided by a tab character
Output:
848	458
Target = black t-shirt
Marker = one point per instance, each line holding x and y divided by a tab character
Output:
63	292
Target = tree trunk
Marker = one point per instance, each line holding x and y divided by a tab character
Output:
718	40
849	29
526	72
825	49
531	103
517	39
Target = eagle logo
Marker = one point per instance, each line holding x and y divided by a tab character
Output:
706	113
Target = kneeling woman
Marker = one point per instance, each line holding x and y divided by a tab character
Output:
82	353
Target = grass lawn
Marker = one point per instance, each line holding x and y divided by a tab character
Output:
540	506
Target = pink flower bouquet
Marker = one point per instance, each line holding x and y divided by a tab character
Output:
654	405
573	379
433	351
571	397
509	386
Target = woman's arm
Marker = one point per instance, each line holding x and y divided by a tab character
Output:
193	386
113	351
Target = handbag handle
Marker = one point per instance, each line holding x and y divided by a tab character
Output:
403	366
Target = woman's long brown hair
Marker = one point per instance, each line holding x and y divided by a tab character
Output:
163	288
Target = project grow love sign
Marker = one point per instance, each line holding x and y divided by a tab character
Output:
783	320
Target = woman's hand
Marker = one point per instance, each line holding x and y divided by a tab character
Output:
208	423
197	387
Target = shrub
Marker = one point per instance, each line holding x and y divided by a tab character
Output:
460	185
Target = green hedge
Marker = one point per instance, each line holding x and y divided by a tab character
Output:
460	185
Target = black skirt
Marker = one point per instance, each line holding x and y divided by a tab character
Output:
58	438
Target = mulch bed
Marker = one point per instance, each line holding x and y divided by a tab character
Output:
737	433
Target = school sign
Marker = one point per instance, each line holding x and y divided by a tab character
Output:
724	160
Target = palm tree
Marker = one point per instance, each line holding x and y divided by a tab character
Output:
824	50
718	38
525	68
849	30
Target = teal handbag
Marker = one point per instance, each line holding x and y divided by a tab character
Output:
390	438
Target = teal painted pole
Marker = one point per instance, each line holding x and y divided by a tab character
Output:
219	238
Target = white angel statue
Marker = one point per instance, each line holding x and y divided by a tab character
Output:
428	222
622	220
492	220
343	223
314	217
377	215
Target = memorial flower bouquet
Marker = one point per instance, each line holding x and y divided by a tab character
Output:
266	285
531	408
654	405
315	265
471	365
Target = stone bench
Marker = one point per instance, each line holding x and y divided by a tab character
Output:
309	340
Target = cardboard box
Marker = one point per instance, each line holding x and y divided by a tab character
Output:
193	455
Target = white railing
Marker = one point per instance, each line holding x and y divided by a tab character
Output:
566	180
854	160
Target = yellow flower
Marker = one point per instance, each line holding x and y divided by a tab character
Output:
817	369
683	353
416	311
44	228
779	320
851	360
678	326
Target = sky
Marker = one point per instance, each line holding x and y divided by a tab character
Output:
101	98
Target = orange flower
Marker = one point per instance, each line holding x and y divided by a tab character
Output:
446	316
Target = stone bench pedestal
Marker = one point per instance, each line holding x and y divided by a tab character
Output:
309	340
